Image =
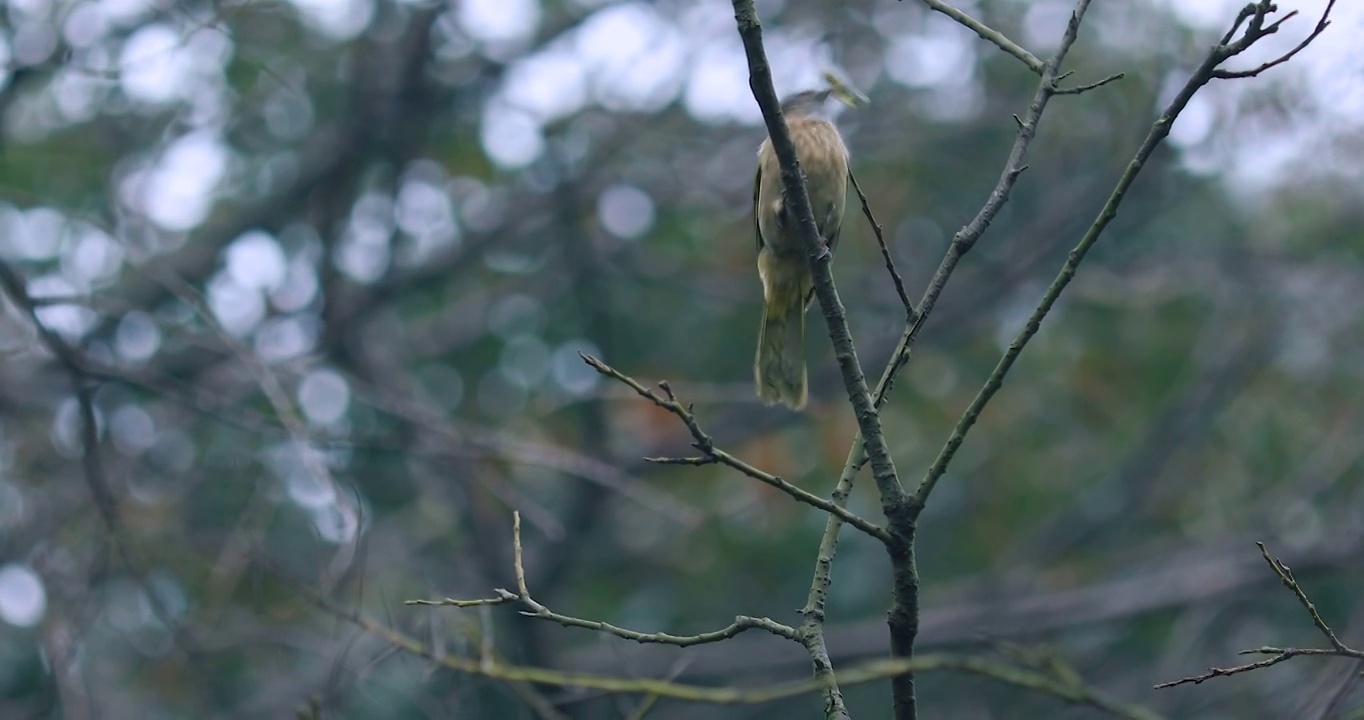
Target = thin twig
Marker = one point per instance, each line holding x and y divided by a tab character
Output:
496	670
1223	672
1086	88
1286	577
899	519
812	625
741	624
694	461
1323	23
885	251
704	443
1045	682
451	602
1278	654
535	609
1247	12
1042	682
988	34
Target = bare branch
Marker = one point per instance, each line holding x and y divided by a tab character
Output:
1209	573
988	34
857	453
1086	88
451	602
696	461
1224	672
1159	130
1046	680
793	182
1278	654
901	511
900	544
712	454
496	670
537	610
885	251
1259	11
1286	577
1246	13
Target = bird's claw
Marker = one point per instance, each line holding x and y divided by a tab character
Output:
823	250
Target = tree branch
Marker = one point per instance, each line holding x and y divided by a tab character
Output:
885	251
1277	654
965	238
1321	26
988	34
870	672
904	615
1209	573
793	182
1159	130
1086	88
1049	680
900	523
713	455
535	609
1286	577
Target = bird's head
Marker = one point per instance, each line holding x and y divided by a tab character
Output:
816	102
809	102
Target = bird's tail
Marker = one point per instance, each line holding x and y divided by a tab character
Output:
779	369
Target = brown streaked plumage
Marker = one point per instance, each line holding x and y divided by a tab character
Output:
779	368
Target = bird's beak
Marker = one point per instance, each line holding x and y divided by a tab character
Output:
844	92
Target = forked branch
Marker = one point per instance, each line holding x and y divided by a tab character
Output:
1277	655
1255	18
535	609
711	455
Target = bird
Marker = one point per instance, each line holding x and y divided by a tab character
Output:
779	371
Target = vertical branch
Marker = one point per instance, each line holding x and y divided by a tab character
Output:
812	626
901	511
793	182
894	502
962	242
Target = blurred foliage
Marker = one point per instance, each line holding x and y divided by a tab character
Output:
416	215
